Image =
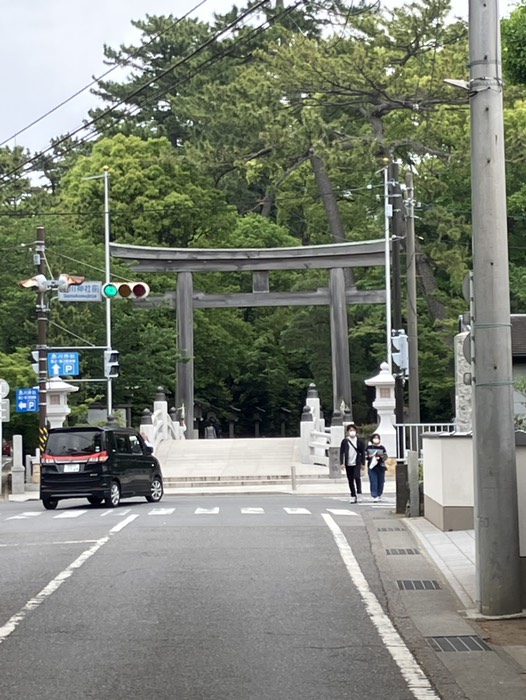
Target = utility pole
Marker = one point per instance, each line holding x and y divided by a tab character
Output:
395	196
42	320
412	315
496	507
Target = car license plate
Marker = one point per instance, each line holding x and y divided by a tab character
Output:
71	468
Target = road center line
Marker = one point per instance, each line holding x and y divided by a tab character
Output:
393	642
10	626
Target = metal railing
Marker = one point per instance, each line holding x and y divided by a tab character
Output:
409	436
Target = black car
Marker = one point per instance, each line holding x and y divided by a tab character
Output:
100	464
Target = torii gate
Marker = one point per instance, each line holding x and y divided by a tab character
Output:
260	261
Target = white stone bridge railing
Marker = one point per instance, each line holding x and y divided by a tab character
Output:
162	424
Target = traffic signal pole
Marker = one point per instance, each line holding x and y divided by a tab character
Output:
42	320
109	386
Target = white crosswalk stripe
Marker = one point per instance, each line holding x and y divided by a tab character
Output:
115	511
206	511
252	511
297	511
167	511
161	511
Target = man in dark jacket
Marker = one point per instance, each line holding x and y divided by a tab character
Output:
352	458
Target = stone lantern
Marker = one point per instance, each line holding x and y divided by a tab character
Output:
385	403
57	401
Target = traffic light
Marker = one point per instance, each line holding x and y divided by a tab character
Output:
111	364
400	352
38	282
125	290
35	354
66	281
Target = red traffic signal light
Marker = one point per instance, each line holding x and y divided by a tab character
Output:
125	290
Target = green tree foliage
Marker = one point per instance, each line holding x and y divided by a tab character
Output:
273	133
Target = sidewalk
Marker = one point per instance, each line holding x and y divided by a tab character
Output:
454	554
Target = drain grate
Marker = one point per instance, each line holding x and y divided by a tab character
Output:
462	643
401	551
418	585
391	529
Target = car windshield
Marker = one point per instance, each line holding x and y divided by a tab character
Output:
82	442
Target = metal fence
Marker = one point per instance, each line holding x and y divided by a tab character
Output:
409	436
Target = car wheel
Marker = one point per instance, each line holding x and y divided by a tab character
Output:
114	498
156	490
95	500
50	503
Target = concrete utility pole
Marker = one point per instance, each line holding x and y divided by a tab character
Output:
42	319
412	314
496	508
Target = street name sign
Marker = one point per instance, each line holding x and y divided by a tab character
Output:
63	364
26	400
87	291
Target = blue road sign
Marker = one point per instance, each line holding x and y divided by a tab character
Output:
26	400
63	364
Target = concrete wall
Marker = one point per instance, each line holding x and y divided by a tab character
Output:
448	480
449	484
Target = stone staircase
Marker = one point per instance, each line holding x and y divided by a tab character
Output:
235	462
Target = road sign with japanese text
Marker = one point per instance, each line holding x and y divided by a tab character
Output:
27	400
63	364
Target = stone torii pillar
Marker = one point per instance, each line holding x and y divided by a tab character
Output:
184	391
341	370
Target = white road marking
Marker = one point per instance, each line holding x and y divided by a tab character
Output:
415	678
206	511
161	511
23	516
252	511
45	544
297	511
118	512
70	514
341	511
123	523
10	626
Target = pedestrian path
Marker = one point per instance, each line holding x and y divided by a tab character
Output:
453	553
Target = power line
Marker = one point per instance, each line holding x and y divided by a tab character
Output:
100	77
122	101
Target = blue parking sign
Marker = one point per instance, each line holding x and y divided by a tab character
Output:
63	364
27	400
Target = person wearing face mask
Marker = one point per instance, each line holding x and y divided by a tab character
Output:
352	457
376	455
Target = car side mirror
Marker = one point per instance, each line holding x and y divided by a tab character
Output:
148	449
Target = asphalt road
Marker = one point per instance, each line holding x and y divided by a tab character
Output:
225	597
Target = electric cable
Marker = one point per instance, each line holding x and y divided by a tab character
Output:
133	55
198	50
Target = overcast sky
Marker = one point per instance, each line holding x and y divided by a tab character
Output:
49	49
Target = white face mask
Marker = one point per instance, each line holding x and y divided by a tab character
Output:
351	433
376	441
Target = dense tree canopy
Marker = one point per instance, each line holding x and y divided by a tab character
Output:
267	126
